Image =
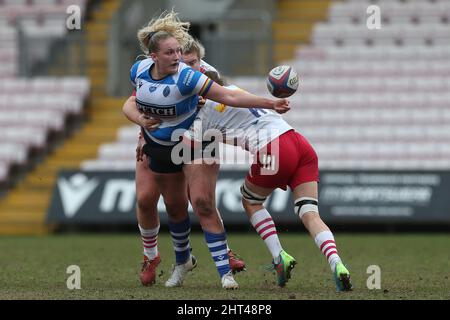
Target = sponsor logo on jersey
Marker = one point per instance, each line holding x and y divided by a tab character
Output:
166	91
140	84
152	89
188	78
167	111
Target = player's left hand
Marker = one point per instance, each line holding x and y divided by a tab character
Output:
148	122
282	106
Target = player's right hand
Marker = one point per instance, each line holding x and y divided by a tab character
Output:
148	122
282	106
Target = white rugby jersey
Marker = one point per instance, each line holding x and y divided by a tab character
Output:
250	129
172	99
205	66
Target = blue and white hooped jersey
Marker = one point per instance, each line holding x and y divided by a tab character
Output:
172	99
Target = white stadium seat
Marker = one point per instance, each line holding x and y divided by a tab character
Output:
13	153
128	134
30	136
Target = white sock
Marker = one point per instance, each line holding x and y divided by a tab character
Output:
264	225
325	241
150	241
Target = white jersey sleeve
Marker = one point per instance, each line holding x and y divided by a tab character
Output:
204	66
250	128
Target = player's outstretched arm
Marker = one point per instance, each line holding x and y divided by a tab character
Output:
132	113
242	99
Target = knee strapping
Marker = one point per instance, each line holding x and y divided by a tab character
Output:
251	197
304	205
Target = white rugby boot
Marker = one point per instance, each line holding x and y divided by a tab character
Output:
228	282
179	272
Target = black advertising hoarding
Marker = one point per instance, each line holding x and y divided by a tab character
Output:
377	196
107	198
93	197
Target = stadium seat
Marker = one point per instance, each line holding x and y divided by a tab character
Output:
12	153
128	134
30	136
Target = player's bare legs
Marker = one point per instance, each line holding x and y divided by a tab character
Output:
148	220
147	196
202	179
202	185
306	206
174	192
312	221
149	186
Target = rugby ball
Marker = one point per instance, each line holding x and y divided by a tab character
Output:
282	81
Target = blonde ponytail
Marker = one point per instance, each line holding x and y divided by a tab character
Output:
167	24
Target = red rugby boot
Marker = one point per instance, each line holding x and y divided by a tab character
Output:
236	263
148	271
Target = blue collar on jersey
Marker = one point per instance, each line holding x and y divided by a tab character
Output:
148	77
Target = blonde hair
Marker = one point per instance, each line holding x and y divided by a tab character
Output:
193	45
162	27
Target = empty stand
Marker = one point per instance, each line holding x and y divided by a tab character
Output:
375	99
33	108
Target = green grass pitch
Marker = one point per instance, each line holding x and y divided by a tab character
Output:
413	266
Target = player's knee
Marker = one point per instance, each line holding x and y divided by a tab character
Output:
247	205
250	198
203	205
306	207
147	204
310	217
176	207
176	215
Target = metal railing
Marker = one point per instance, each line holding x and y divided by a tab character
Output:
42	54
241	43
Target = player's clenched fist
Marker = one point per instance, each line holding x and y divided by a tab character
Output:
282	106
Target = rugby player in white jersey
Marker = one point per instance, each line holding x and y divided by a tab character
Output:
168	89
283	158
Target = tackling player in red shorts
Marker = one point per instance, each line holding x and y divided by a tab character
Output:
283	158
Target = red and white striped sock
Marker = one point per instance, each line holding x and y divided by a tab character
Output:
150	241
325	241
264	225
